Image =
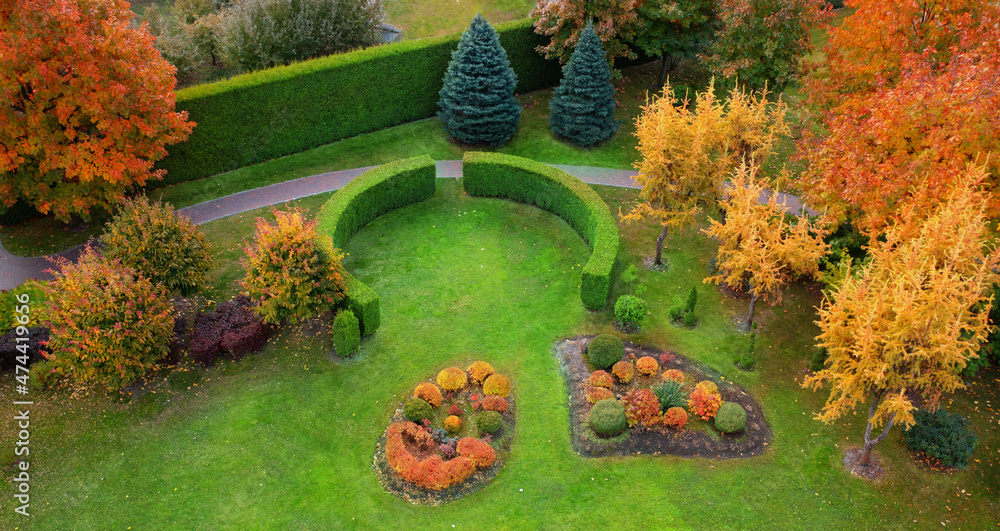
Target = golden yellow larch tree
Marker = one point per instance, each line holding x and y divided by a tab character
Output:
752	127
910	320
760	249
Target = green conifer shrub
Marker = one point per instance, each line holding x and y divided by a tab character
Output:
346	333
582	109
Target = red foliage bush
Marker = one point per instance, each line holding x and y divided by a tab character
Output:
233	329
641	407
601	379
623	371
455	410
494	403
477	450
675	417
704	404
429	392
647	365
596	394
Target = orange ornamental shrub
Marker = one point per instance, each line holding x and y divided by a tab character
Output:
675	417
438	474
623	371
647	365
641	407
601	379
430	393
497	385
452	424
476	450
452	379
673	374
479	371
494	403
703	403
596	394
433	472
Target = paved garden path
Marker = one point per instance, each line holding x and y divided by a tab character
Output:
16	269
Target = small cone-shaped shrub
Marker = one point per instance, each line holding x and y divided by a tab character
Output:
477	100
582	109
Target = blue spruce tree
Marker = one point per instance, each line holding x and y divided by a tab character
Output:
477	100
582	110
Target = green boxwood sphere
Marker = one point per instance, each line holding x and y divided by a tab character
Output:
417	409
731	418
607	417
489	422
605	350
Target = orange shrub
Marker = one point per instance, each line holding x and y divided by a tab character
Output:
497	384
647	365
429	392
452	379
601	379
704	404
673	374
479	371
641	407
476	450
596	394
675	417
623	371
453	424
433	472
494	403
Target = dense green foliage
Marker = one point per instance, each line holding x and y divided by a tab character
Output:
731	418
942	435
267	114
477	99
152	239
746	358
607	417
489	422
674	29
346	333
364	303
630	310
818	360
582	108
417	409
605	350
526	181
692	300
671	394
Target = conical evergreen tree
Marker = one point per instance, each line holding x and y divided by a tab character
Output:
582	110
477	100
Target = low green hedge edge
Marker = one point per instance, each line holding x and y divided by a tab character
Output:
275	112
551	189
371	194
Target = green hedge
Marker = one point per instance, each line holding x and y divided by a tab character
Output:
279	111
371	194
527	181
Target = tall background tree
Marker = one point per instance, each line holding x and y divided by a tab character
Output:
582	108
564	21
913	317
674	30
88	105
477	99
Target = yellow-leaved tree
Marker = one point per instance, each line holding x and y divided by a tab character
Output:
909	321
687	154
760	249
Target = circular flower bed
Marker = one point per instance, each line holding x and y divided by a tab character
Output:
654	402
459	442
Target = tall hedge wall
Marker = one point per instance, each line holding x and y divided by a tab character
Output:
371	194
271	113
527	181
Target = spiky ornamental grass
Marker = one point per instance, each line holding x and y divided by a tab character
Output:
477	100
582	109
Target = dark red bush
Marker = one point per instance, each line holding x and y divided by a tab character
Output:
232	330
8	347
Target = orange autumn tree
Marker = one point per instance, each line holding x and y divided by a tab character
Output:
687	154
563	21
909	321
760	250
905	112
88	105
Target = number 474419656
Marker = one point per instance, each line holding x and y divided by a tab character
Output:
22	318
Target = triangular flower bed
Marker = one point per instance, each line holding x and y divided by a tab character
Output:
448	439
628	386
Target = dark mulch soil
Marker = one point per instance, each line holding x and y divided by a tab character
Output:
392	483
659	441
872	471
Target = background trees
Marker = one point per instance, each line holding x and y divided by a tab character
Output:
582	108
565	20
88	105
672	30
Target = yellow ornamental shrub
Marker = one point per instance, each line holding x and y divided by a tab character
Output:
479	371
452	424
497	385
452	379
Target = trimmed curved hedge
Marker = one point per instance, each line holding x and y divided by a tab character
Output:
371	194
270	113
527	181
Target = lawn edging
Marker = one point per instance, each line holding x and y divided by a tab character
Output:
551	189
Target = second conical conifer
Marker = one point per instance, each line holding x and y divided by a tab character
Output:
582	109
477	100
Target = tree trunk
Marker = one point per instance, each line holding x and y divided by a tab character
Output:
659	246
866	452
749	320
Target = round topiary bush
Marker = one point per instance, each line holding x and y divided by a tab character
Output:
452	379
630	310
601	379
731	418
453	424
605	350
675	417
673	375
479	371
623	371
607	418
647	365
497	385
489	422
417	409
429	392
945	436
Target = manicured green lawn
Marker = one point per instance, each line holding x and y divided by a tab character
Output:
431	18
284	439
